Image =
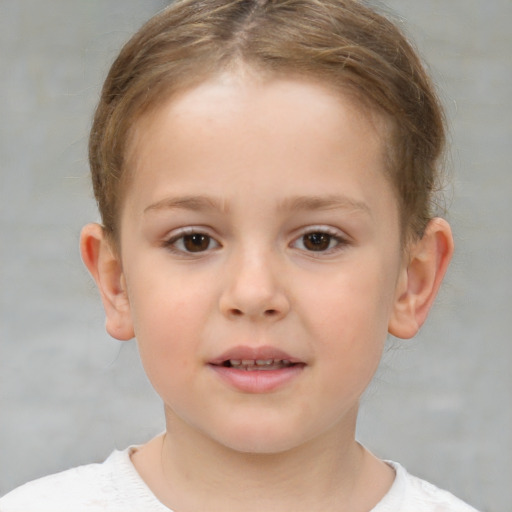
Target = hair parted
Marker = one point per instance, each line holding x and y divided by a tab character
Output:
342	43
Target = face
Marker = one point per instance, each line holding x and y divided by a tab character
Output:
260	250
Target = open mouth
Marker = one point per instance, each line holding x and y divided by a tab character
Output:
261	370
257	364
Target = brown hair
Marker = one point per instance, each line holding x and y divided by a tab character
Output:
342	43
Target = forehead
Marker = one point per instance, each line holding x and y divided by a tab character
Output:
250	153
253	147
253	100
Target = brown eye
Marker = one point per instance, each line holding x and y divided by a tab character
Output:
193	242
317	241
196	242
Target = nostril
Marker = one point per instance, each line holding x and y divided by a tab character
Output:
266	313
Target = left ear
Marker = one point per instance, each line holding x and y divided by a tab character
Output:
420	279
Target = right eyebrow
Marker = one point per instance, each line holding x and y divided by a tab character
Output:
194	203
327	202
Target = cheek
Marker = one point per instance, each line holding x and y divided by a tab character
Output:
348	314
355	300
169	324
167	302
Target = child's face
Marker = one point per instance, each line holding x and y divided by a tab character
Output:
259	225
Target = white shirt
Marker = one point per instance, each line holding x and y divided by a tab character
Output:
115	486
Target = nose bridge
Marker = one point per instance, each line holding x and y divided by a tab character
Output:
254	285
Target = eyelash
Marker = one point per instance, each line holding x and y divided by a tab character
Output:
323	235
181	239
332	235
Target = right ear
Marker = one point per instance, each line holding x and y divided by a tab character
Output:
105	267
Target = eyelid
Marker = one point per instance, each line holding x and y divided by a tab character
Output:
177	234
321	228
342	238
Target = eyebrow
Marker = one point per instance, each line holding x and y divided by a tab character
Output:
194	203
329	202
296	203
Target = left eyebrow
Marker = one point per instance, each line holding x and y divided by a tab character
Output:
194	203
328	202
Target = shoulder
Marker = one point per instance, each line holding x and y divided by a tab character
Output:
111	486
411	493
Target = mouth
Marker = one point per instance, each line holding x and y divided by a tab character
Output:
250	365
257	370
249	359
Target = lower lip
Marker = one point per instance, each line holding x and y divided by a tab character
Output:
258	381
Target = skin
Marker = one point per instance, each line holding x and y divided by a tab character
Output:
256	166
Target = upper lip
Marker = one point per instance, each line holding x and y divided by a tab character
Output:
253	354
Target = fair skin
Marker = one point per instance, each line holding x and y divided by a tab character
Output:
260	269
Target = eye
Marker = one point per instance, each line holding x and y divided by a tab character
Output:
318	241
194	242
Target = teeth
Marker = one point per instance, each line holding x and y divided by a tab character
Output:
264	362
259	364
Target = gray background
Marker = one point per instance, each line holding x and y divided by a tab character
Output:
441	404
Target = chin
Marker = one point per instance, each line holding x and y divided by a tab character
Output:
258	446
260	439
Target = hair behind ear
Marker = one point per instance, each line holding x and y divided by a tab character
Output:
420	279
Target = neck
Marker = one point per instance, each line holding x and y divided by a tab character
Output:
196	473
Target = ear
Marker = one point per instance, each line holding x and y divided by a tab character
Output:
420	279
105	267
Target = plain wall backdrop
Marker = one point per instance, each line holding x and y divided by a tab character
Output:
69	394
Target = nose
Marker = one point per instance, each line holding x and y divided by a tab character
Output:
254	288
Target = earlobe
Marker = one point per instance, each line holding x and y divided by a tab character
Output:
106	269
420	279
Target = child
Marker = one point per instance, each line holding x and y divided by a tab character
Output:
265	171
